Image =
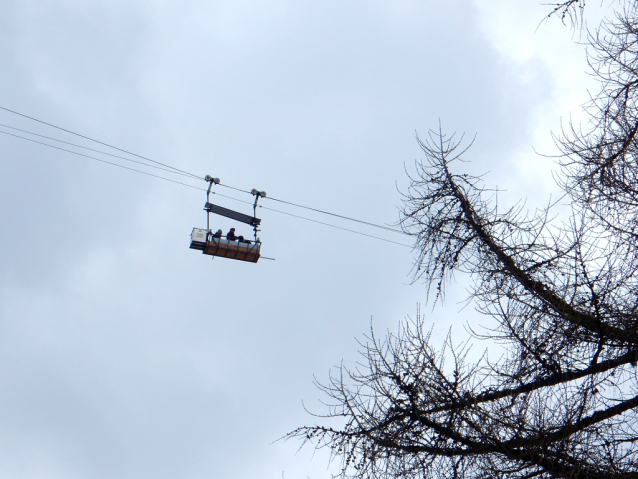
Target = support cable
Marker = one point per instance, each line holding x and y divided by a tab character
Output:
188	175
334	226
388	228
97	141
172	169
102	161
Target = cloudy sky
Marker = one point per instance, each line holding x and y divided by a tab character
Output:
125	354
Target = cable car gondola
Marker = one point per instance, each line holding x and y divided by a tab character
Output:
213	245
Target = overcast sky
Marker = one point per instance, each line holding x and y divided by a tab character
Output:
123	353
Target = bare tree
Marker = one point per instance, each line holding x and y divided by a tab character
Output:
562	300
570	12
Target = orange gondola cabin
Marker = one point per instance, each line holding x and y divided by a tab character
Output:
243	251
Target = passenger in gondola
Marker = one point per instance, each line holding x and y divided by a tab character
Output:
230	236
217	234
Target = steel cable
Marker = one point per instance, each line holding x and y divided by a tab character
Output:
173	170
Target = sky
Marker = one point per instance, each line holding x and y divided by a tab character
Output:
123	353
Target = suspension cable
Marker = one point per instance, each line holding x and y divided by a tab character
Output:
171	169
97	141
188	175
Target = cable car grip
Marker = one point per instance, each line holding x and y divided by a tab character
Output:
211	181
257	194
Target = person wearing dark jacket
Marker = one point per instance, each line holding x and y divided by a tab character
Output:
230	236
